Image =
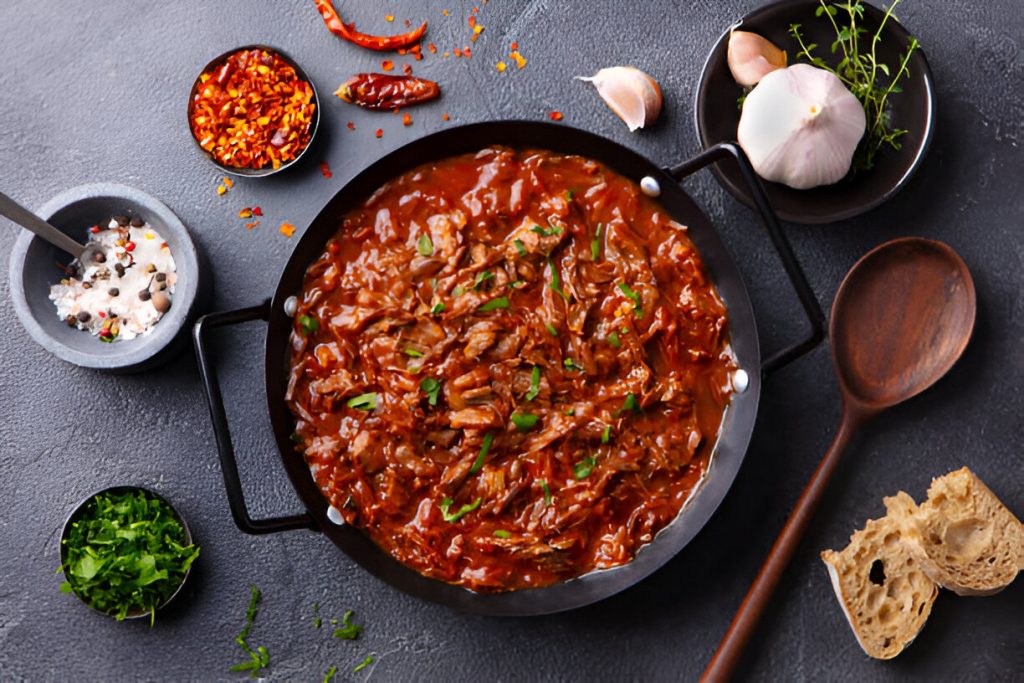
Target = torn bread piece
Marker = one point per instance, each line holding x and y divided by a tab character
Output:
963	536
881	588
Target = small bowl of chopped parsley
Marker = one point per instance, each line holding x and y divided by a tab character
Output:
126	552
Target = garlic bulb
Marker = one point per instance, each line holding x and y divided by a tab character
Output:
633	95
751	57
800	126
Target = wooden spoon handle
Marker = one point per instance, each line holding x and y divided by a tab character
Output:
743	624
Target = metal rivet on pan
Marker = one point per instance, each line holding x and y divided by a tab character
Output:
740	381
290	305
649	186
334	515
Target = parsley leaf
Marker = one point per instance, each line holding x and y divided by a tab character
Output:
547	232
584	467
482	277
501	533
330	674
520	247
446	505
606	435
482	455
634	297
438	307
431	387
551	329
556	281
366	401
547	492
595	244
630	404
500	302
425	245
534	383
613	338
524	422
362	665
260	659
413	353
308	324
348	631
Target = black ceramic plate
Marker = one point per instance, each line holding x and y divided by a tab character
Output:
717	114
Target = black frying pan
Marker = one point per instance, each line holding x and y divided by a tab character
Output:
736	427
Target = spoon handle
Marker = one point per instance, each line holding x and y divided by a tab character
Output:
747	616
28	220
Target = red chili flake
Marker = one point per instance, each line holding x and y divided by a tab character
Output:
250	226
466	52
444	12
325	169
221	190
514	46
94	229
419	57
333	247
520	60
408	24
402	51
415	49
556	116
407	68
475	10
351	125
445	117
406	120
380	132
389	18
472	21
130	246
287	229
432	48
257	211
227	181
387	65
101	314
458	52
245	213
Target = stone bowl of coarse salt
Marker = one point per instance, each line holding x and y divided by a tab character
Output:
125	309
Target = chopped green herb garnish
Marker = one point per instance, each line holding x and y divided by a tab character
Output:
501	533
482	455
569	194
500	302
570	364
438	307
584	467
534	383
425	245
630	404
431	387
330	674
547	232
520	247
634	297
524	422
126	554
295	437
595	244
606	435
569	411
456	516
482	277
551	329
556	281
362	665
613	338
516	283
348	631
366	401
308	324
459	290
317	621
547	492
260	658
413	353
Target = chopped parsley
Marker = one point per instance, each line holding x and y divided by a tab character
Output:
606	435
595	244
330	674
413	353
520	247
547	232
366	401
260	659
482	455
438	307
501	533
363	664
551	329
630	404
634	297
614	340
569	194
584	467
308	324
482	277
547	492
348	631
493	304
534	383
446	505
459	290
556	281
317	621
431	387
524	422
570	364
425	245
126	554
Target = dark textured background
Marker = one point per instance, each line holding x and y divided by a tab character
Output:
96	91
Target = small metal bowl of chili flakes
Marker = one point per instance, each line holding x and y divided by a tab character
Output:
253	111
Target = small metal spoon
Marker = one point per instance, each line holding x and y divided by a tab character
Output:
28	220
901	318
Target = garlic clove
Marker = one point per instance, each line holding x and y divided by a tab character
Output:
751	57
633	95
801	126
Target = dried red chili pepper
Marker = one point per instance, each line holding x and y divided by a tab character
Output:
382	91
348	31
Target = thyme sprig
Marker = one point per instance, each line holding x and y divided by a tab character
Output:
862	72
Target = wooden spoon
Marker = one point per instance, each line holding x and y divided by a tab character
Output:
901	318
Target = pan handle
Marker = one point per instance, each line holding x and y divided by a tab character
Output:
228	464
812	310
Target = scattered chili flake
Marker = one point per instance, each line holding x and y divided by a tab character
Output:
475	10
334	247
245	213
351	125
287	229
221	190
250	226
389	18
458	52
408	24
94	229
251	111
432	48
445	117
227	181
325	169
407	68
130	246
387	65
406	120
380	132
472	21
466	52
477	30
257	211
556	116
447	55
444	12
501	66
520	60
514	46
